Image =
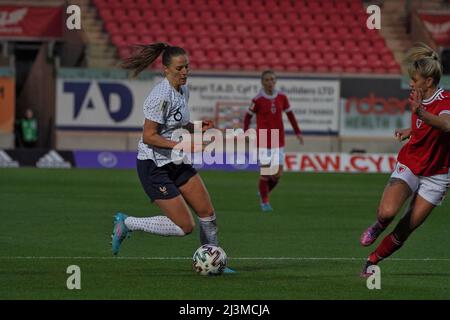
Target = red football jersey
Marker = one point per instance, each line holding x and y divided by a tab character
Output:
269	115
427	152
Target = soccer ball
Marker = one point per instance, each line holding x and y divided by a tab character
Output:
209	260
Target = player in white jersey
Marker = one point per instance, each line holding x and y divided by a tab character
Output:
171	184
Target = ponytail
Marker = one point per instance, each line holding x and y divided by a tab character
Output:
147	54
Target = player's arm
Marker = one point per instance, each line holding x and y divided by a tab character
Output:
440	122
206	124
249	115
152	137
291	116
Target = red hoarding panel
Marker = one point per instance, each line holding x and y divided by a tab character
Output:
439	27
30	22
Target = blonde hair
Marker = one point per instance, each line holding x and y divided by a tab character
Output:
423	60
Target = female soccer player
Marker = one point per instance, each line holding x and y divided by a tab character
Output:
268	106
171	184
422	169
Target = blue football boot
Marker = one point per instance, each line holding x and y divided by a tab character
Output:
229	270
120	232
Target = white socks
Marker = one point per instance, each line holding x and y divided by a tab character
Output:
208	230
162	225
158	225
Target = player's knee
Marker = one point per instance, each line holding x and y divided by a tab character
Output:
188	227
386	212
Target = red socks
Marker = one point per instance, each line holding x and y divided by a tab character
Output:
387	247
264	189
272	183
266	185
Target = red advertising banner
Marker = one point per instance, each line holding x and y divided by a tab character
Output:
439	27
7	104
30	22
340	162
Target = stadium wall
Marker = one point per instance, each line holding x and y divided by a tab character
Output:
293	161
103	109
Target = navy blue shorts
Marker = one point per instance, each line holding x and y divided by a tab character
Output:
163	182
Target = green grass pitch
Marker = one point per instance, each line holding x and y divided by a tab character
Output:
306	249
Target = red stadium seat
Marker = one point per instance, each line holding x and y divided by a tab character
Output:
242	30
249	66
279	44
394	69
315	32
264	18
221	66
322	19
118	41
292	17
293	44
250	44
278	67
141	27
193	17
307	44
256	31
207	17
205	66
330	57
235	17
235	43
124	52
135	15
292	36
234	66
146	39
250	18
336	69
380	70
220	42
200	30
192	43
307	20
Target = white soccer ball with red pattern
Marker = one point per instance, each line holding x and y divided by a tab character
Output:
209	260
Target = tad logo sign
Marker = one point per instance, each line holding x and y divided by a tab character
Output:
94	101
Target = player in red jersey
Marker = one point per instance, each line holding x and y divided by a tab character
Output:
268	106
422	169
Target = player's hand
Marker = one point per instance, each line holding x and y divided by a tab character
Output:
415	99
191	145
402	134
300	139
207	124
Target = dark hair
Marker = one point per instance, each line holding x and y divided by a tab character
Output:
265	72
147	54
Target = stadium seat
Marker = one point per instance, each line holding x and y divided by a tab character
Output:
207	17
234	66
316	32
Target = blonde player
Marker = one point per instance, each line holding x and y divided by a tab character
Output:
422	170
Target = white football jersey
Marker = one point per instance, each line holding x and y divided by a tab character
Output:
169	108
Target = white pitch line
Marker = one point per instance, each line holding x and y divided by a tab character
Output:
231	258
